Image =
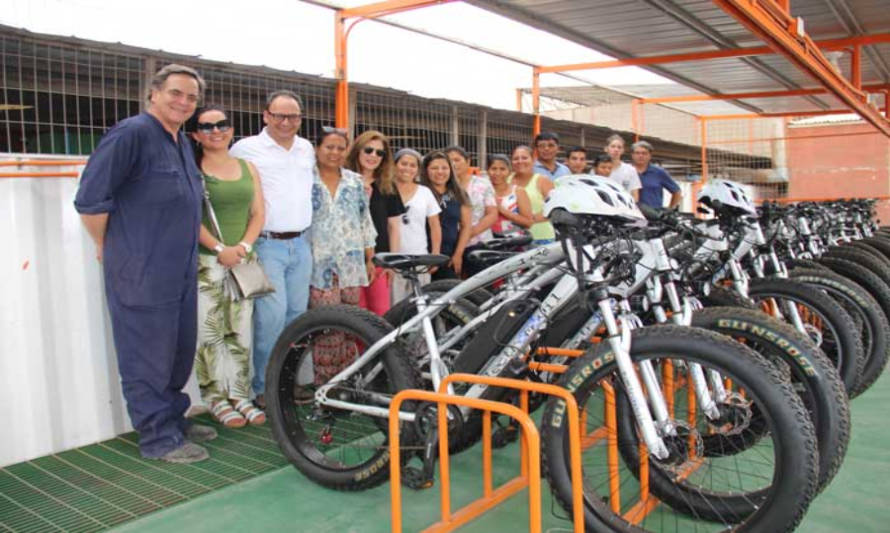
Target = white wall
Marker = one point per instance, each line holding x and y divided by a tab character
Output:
59	386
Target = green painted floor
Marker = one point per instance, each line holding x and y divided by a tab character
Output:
283	500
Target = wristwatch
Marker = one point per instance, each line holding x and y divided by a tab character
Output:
219	247
247	248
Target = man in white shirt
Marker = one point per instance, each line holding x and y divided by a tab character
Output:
284	161
624	173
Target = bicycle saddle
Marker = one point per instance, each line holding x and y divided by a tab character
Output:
506	243
404	262
488	257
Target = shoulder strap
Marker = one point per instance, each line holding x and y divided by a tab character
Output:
210	213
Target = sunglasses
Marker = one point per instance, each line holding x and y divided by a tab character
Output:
368	150
405	219
207	127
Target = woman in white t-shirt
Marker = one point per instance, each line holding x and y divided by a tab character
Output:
624	173
421	211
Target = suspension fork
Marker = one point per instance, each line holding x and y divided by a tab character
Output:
683	316
619	340
739	278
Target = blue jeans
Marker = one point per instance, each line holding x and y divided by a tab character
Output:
288	264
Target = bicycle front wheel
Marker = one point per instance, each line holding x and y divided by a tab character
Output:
764	487
338	448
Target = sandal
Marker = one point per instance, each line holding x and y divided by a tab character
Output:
223	413
253	414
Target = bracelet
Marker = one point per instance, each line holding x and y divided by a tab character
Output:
219	247
247	248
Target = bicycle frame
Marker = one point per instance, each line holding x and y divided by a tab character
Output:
545	254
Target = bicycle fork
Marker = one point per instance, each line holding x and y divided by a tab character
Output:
619	340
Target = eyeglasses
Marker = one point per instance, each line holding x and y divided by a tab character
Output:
281	117
368	150
405	219
207	127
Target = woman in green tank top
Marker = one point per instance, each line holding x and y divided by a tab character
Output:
222	362
537	187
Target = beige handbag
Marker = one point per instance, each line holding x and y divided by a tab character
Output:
244	280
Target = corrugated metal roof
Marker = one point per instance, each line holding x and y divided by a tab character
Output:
642	28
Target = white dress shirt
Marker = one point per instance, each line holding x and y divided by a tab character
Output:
286	178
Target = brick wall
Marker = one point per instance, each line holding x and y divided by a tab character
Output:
839	161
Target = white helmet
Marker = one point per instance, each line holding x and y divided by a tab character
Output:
728	193
584	194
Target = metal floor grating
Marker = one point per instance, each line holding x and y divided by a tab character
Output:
101	485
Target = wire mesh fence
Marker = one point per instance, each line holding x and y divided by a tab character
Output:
60	94
749	151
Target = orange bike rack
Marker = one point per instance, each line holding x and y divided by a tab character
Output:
530	476
609	431
574	430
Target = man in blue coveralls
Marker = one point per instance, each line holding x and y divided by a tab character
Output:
140	200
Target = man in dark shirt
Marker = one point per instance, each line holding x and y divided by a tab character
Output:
653	178
140	199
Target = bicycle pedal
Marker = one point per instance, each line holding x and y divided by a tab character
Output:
504	436
414	478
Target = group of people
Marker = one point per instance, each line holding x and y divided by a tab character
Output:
171	210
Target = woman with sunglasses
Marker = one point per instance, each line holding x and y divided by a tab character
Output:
421	212
537	187
343	240
371	157
455	219
222	362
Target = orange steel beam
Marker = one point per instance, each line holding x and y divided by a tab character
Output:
830	44
341	98
748	116
753	94
388	7
856	66
780	34
341	36
39	174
